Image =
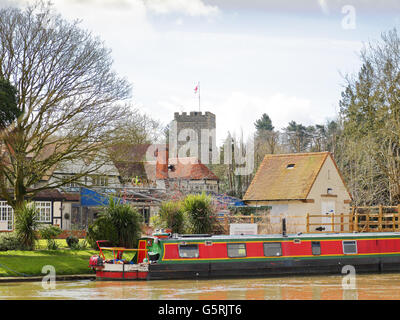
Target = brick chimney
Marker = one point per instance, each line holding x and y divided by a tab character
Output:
162	154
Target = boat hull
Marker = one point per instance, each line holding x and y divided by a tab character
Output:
122	272
212	270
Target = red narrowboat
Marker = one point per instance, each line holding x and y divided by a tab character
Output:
211	256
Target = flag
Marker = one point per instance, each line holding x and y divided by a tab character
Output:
195	89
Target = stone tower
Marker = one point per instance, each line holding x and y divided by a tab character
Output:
201	131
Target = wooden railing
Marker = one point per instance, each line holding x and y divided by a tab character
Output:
360	219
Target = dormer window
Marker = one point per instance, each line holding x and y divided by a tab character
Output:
290	166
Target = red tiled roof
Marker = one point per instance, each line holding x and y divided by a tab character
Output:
189	169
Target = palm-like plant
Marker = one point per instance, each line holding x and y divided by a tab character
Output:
26	224
200	212
119	223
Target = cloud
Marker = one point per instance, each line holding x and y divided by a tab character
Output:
187	7
324	6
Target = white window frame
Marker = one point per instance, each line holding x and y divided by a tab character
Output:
354	242
44	211
7	214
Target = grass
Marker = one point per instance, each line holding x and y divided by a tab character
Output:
65	262
14	263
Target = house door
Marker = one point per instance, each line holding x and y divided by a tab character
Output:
327	208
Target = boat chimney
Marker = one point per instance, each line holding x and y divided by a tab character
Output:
284	227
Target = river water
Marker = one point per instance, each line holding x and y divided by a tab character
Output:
371	286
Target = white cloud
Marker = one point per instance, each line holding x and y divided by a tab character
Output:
187	7
324	6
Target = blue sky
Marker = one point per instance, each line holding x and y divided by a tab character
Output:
281	57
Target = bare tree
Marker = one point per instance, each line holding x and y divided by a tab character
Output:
67	94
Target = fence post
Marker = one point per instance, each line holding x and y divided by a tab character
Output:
333	222
251	218
341	222
355	222
398	217
226	223
351	216
308	223
380	217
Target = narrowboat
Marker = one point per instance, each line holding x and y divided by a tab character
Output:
217	256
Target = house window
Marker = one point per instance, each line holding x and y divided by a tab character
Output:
290	166
188	250
272	249
236	250
6	216
350	247
44	210
100	181
316	248
73	184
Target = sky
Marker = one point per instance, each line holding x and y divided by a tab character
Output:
286	58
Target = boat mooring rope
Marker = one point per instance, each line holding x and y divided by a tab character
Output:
7	268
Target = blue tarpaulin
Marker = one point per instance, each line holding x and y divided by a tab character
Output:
90	198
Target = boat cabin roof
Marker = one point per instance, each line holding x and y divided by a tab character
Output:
202	237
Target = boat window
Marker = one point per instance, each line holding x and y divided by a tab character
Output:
272	249
350	247
188	250
316	247
236	250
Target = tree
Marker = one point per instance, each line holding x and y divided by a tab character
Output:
264	123
266	139
9	111
299	137
370	111
68	98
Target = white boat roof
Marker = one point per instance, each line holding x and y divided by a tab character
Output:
280	236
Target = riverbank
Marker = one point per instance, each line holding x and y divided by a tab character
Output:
24	264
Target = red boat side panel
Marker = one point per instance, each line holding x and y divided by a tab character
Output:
218	250
141	253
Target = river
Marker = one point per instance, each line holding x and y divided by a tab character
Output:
371	286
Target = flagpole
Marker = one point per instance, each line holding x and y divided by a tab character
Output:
199	95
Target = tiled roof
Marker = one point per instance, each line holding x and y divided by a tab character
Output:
189	169
274	180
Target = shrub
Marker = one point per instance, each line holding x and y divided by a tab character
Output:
10	241
71	241
49	233
26	225
120	224
200	213
171	215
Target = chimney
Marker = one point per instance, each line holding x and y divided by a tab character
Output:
162	162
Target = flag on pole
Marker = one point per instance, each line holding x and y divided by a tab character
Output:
196	88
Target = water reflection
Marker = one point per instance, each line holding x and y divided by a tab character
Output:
377	287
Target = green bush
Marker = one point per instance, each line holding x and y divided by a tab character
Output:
120	224
171	215
10	241
200	213
49	233
26	225
71	241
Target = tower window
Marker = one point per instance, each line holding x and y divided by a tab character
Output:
290	166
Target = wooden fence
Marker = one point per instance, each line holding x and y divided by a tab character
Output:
360	219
